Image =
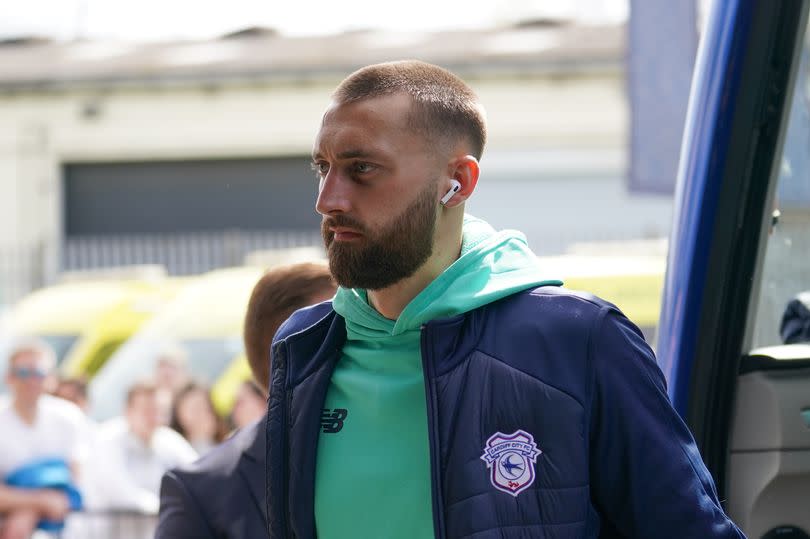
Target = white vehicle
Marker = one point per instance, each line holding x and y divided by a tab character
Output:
205	319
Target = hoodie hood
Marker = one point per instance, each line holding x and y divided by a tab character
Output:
492	265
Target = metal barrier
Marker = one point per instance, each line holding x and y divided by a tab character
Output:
26	267
180	254
108	524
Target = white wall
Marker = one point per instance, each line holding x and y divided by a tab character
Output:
558	196
40	132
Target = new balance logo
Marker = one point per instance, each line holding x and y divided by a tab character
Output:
332	420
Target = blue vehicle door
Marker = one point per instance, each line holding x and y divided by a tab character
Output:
735	322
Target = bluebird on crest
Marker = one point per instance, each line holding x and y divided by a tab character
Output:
511	459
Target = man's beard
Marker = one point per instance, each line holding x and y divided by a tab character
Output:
382	258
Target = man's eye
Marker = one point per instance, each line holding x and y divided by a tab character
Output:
362	168
320	169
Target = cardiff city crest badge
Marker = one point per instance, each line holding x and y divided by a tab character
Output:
511	459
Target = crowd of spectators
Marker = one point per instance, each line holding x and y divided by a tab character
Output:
64	461
60	469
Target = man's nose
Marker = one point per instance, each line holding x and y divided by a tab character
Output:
333	194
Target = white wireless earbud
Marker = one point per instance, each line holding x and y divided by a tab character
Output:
456	186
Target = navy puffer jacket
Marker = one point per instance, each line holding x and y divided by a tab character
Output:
548	418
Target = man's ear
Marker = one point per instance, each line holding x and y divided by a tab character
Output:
465	171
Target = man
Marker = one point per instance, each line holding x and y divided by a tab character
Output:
171	375
223	494
35	428
133	452
795	324
250	402
450	390
73	390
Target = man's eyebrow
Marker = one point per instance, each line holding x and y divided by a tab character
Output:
353	154
348	154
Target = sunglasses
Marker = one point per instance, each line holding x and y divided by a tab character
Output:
23	373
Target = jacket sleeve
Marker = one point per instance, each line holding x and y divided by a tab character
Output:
180	516
647	476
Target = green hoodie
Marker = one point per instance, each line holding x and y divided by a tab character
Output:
373	464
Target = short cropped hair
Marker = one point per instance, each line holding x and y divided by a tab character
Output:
221	430
444	107
279	293
144	387
34	346
79	385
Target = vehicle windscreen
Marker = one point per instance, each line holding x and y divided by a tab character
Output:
61	344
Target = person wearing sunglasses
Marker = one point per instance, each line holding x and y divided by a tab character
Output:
40	435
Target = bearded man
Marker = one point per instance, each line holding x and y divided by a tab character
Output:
450	389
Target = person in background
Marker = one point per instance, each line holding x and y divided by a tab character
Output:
171	375
36	428
133	452
222	495
794	327
73	390
195	419
250	404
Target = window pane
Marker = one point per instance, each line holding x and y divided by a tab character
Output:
786	271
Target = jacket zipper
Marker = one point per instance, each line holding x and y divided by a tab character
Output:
433	440
288	406
285	415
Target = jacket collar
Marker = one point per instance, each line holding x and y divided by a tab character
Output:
323	341
316	344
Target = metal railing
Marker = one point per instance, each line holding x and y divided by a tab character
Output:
24	268
107	524
180	254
